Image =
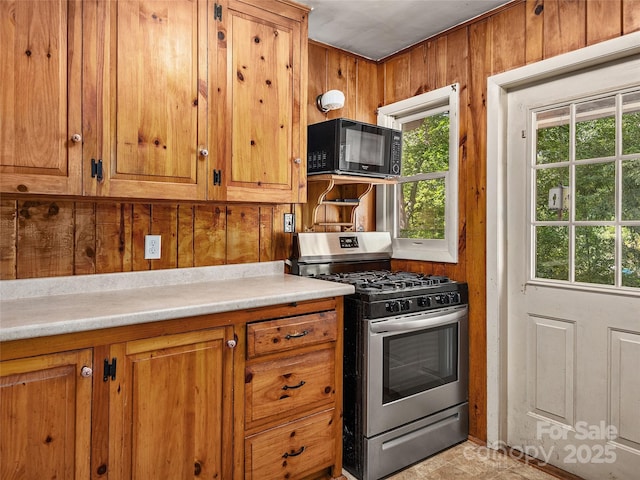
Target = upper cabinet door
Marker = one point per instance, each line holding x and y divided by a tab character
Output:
40	97
261	102
152	104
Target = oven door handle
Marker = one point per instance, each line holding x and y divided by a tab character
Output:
416	324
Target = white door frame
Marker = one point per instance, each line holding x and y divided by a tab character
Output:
498	87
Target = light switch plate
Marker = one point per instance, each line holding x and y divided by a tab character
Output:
289	223
152	247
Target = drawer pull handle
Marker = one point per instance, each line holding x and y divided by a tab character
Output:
287	387
296	335
293	454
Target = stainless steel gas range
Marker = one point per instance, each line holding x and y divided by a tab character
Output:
405	352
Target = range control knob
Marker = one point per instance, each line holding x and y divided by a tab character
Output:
405	304
424	302
445	299
392	306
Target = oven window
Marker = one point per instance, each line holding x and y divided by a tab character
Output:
418	361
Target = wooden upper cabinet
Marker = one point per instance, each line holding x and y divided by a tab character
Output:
41	97
261	102
152	104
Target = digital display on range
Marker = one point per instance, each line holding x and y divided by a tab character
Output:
348	242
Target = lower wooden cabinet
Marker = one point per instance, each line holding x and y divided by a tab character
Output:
45	414
163	409
170	407
253	394
293	384
293	450
293	398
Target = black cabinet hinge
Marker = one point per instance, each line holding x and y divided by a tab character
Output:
109	369
217	11
217	177
96	169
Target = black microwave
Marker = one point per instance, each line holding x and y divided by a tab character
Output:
345	146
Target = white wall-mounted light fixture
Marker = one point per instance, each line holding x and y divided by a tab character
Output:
331	100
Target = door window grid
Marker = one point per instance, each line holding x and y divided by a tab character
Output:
586	187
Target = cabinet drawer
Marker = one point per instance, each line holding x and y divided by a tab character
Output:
292	450
285	334
289	385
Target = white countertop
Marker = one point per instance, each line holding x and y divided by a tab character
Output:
50	306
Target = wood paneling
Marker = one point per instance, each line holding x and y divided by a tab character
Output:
47	238
369	89
85	238
8	214
507	39
473	235
534	25
397	77
113	223
523	33
341	75
564	26
317	81
362	82
597	30
630	16
210	239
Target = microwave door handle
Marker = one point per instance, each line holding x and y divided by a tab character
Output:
417	324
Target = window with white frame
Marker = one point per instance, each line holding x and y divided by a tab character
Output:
585	171
421	210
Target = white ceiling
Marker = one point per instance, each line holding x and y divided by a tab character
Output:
376	29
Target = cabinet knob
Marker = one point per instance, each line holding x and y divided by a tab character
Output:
231	343
297	160
204	152
86	372
76	138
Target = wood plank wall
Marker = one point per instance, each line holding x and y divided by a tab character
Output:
44	237
47	237
518	34
362	83
522	33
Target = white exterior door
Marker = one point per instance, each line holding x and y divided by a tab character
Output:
573	271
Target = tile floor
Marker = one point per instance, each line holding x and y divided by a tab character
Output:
470	461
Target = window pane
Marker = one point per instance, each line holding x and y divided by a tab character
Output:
552	253
631	256
552	136
631	123
548	181
631	190
595	192
425	145
595	247
422	213
596	129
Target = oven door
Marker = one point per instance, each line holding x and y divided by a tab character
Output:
416	365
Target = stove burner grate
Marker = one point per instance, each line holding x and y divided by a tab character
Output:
384	280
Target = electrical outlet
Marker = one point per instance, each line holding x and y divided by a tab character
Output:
289	223
152	247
